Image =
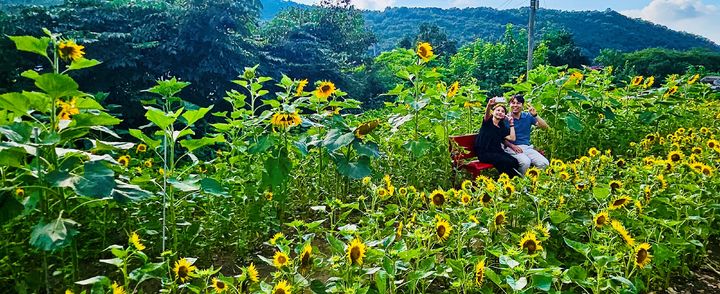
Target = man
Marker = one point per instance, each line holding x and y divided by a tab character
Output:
521	148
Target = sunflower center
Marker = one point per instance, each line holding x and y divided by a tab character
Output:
441	231
499	220
280	291
220	285
621	163
422	51
509	189
615	186
486	198
325	88
619	202
641	255
706	171
711	145
305	260
282	259
530	246
438	199
675	157
601	220
182	272
354	254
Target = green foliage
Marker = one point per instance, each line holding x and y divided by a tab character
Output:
659	62
562	50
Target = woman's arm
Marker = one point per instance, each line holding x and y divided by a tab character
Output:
489	106
511	137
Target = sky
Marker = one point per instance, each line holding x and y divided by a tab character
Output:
700	17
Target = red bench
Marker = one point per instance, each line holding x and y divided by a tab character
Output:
461	149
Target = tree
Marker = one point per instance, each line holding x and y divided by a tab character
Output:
561	50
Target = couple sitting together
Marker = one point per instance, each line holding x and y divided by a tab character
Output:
504	139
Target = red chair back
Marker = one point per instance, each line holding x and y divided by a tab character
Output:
467	142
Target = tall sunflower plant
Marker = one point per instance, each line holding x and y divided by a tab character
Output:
39	134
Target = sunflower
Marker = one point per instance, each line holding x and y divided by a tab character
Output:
530	242
68	49
499	218
581	186
593	152
474	219
601	219
486	198
706	170
693	79
577	77
325	90
398	230
438	197
68	291
117	289
183	270
135	240
442	229
615	185
642	256
276	237
618	227
268	195
675	156
382	192
124	160
425	51
301	87
636	81
356	252
280	259
564	176
219	285
620	163
453	89
366	180
712	143
697	150
402	191
671	91
465	199
620	202
19	192
479	272
509	188
285	120
252	273
306	256
148	163
533	172
282	287
649	82
467	185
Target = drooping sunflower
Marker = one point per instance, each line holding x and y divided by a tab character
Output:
135	241
285	120
306	256
69	50
601	219
671	91
356	252
276	237
438	197
675	156
649	82
486	198
425	51
219	285
442	229
117	289
282	287
615	185
465	198
301	87
642	256
479	272
693	79
620	229
124	160
620	202
183	270
499	218
20	192
325	90
636	80
252	273
530	243
454	88
365	128
280	259
398	230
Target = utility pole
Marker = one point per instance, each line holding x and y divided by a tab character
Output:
534	4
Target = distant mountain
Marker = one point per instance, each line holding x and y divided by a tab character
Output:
592	30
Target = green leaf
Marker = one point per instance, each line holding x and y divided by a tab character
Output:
573	122
103	280
516	285
335	140
493	277
152	144
124	192
147	272
192	116
19	132
214	187
168	88
15	102
542	282
159	118
97	181
354	170
583	249
369	149
83	120
31	44
337	246
418	148
55	235
83	63
576	273
57	85
557	217
186	185
507	260
261	145
381	278
193	144
317	286
625	281
9	207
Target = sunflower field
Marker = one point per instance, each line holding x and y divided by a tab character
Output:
296	189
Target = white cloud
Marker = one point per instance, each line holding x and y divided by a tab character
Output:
373	4
693	16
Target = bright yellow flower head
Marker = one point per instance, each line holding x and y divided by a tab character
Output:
425	51
438	197
183	270
649	82
620	229
282	287
693	79
442	229
356	252
124	160
68	49
453	89
306	256
280	259
285	120
325	90
135	241
117	289
642	256
301	87
636	80
252	273
219	285
276	237
620	202
530	243
479	272
601	219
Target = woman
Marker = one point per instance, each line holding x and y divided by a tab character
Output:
488	143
